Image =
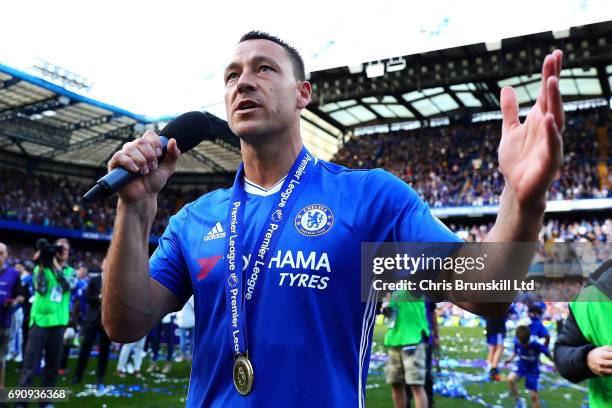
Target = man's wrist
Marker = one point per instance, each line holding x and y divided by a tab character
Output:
526	215
144	209
534	207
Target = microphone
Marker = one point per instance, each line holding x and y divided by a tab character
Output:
188	129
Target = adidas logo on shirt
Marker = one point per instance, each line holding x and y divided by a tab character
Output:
215	233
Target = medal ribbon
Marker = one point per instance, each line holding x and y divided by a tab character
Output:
235	296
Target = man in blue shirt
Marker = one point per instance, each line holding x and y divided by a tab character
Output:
528	366
273	262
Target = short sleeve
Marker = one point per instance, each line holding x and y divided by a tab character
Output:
167	264
400	214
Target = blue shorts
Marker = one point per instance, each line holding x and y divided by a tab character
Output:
495	339
531	379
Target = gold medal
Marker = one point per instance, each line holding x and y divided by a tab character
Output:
243	375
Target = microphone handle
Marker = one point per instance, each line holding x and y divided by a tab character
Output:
118	178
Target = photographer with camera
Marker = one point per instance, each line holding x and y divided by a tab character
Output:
53	281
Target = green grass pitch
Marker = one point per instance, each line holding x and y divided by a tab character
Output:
166	391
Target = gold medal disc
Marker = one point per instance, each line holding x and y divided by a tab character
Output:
243	375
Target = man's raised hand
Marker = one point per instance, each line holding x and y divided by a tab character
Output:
530	153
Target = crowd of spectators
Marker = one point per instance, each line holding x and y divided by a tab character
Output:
447	166
567	252
553	230
457	165
56	202
565	247
563	289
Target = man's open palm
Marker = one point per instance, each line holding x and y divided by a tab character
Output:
530	153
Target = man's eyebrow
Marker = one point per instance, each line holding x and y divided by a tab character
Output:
256	59
263	58
231	66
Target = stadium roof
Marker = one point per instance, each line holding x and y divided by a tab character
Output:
39	119
463	79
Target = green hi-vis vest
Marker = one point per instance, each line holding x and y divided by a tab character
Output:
52	308
410	320
593	312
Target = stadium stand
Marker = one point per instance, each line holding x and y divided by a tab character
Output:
457	165
53	201
447	166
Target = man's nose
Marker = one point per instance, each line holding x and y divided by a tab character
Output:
246	82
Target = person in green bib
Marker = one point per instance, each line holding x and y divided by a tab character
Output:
406	338
53	281
584	347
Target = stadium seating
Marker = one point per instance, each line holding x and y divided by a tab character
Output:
457	165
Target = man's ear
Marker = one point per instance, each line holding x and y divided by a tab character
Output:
304	94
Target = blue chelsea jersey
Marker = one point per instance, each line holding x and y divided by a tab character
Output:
308	331
529	356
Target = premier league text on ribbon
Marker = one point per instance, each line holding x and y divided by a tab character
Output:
231	259
265	244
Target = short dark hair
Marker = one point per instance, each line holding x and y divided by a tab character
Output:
298	64
523	333
63	241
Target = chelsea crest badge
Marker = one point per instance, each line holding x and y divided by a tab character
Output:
314	220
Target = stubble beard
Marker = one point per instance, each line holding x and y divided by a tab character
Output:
261	135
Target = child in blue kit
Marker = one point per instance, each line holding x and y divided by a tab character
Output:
538	331
528	365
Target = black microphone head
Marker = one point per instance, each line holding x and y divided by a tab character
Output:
188	129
